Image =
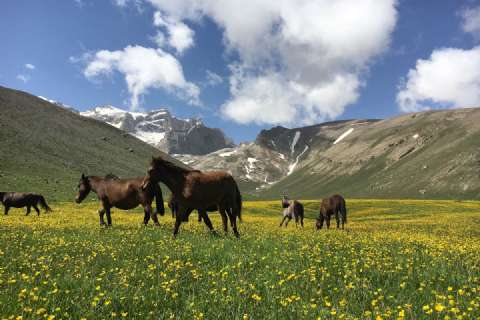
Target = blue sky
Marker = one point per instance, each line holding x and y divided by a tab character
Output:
249	67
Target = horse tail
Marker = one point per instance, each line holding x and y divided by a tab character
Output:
157	191
238	202
44	204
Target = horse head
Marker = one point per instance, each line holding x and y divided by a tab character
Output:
285	202
84	189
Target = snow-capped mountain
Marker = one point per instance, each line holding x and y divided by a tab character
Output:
164	131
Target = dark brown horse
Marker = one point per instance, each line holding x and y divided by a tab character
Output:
198	190
123	194
173	205
334	205
20	200
292	209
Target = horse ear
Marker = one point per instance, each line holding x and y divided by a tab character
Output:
83	176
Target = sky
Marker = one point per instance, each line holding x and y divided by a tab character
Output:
243	66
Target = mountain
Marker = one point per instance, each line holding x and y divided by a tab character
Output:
164	131
45	147
432	154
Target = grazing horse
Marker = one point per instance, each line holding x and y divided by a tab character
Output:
123	194
20	200
334	205
292	209
196	190
173	205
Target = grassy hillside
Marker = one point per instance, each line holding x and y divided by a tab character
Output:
429	155
45	148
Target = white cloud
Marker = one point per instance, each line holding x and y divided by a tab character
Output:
308	56
471	21
450	78
213	79
180	36
30	66
143	69
23	77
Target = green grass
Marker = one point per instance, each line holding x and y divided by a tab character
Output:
418	259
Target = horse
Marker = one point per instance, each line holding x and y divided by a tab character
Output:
194	189
173	205
292	209
334	205
123	194
20	200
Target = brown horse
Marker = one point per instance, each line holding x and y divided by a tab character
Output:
123	194
20	200
198	190
292	209
334	205
173	205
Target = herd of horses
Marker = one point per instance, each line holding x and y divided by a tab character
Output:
204	191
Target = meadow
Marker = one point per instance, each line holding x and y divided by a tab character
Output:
398	259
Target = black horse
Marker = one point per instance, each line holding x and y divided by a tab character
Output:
20	200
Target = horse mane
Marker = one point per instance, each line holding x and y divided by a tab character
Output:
170	165
111	176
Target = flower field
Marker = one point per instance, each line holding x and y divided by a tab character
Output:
396	260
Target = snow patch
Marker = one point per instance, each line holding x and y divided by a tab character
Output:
294	141
150	137
415	136
227	154
293	165
346	133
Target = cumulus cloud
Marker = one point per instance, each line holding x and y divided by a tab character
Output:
213	79
450	78
180	36
299	61
143	69
30	66
23	77
471	21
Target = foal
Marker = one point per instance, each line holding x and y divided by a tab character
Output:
292	209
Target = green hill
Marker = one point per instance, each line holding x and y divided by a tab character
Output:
45	148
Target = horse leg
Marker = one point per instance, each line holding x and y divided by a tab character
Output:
153	214
178	218
233	220
206	219
36	209
223	214
301	221
6	210
322	219
146	216
289	218
199	218
101	212
328	221
283	220
28	211
109	217
337	218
